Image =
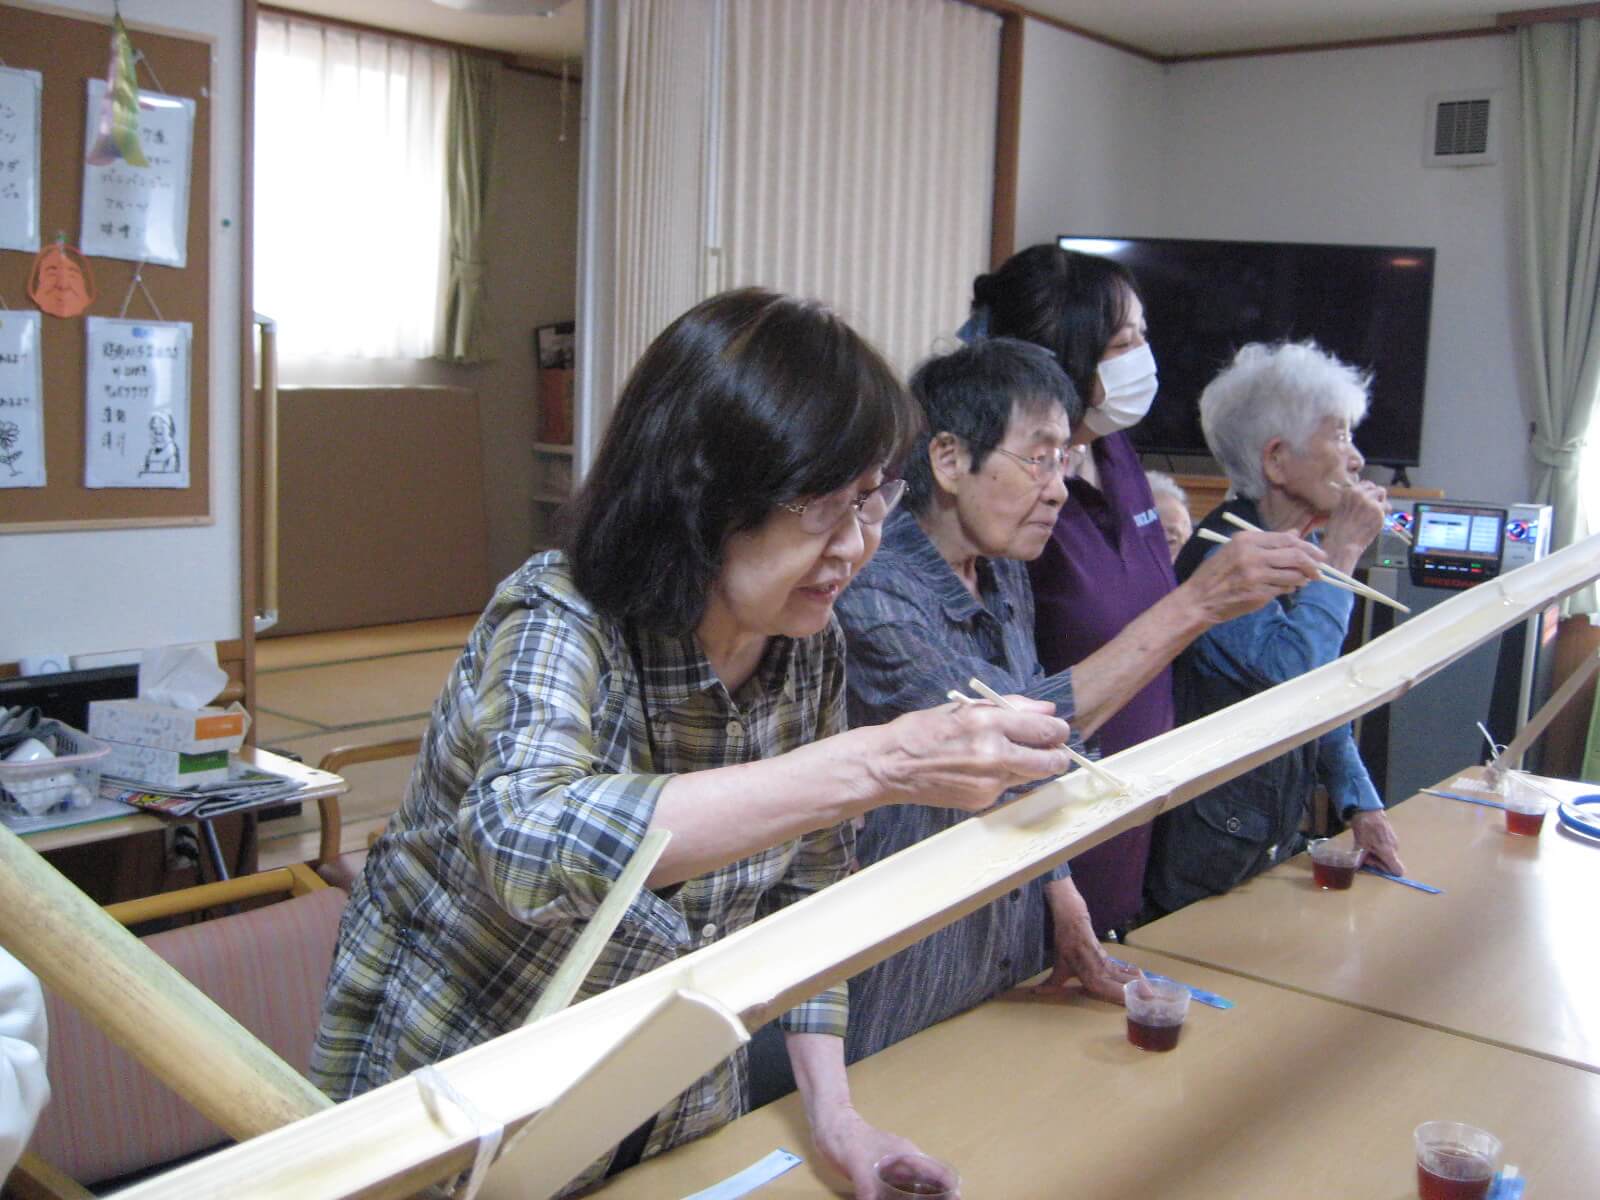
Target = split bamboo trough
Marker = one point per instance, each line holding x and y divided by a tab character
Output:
386	1143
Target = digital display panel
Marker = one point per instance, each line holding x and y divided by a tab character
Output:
1456	545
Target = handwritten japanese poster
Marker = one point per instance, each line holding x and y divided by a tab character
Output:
21	402
141	213
19	158
136	415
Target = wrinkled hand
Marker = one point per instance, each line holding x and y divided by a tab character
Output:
851	1147
1078	954
1355	520
965	755
1249	571
1374	834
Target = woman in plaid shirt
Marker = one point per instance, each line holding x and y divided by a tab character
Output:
678	666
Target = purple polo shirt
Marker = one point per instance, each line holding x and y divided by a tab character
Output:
1107	562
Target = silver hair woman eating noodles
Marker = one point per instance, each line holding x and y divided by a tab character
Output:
1279	420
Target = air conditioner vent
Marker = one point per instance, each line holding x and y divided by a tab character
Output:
1462	130
1462	127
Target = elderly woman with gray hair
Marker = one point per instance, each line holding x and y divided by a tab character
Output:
1279	420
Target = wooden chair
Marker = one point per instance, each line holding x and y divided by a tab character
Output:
341	870
108	1116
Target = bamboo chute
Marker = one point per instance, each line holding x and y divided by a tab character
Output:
670	1047
384	1144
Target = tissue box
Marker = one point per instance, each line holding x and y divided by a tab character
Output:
165	768
187	731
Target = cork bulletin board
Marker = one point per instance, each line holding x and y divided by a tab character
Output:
68	52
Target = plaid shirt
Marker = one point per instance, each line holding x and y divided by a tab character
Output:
533	788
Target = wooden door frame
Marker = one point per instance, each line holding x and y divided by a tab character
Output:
249	409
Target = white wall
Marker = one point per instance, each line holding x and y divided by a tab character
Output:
1327	147
93	591
1323	146
1092	119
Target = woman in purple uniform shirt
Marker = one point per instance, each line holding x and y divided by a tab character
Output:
1107	560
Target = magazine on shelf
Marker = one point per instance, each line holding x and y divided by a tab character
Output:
248	787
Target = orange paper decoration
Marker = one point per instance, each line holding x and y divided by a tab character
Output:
61	283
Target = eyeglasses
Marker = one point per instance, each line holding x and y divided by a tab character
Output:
1062	461
825	512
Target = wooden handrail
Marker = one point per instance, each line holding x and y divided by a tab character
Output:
294	880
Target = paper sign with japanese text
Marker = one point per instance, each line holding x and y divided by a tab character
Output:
21	402
141	213
19	158
136	409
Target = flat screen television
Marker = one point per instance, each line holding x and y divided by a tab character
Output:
1369	305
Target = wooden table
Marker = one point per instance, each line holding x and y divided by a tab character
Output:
1285	1095
318	784
1508	954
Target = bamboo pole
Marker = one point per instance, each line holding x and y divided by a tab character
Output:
1511	756
580	960
383	1144
142	1004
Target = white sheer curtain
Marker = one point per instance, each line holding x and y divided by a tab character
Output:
666	53
859	159
349	189
840	149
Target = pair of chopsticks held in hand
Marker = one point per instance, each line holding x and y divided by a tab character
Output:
1329	574
994	697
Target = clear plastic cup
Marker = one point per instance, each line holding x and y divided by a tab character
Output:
1526	805
1455	1161
1333	867
902	1175
1155	1012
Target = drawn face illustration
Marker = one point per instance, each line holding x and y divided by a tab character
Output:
58	285
160	431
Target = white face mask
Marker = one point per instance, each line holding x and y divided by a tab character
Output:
1129	382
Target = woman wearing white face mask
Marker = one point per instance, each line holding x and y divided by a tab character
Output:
1107	561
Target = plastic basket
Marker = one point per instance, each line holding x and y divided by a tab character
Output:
76	753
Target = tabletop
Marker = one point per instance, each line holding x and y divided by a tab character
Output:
1508	953
317	785
1283	1095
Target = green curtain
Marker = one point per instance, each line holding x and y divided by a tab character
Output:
1561	192
469	146
1591	760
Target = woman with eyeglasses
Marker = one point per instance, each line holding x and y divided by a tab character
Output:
1103	579
678	666
946	599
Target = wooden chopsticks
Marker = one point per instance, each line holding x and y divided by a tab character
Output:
994	697
1330	574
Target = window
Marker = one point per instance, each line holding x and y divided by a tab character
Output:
349	190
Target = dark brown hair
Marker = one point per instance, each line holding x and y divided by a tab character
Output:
749	400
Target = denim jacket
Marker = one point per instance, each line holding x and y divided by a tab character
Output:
1248	824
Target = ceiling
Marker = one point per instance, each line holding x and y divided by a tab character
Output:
1161	27
538	39
1180	27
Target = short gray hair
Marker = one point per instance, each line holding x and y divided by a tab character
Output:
1281	391
1162	484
